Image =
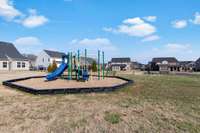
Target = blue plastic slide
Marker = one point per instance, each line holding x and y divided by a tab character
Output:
57	72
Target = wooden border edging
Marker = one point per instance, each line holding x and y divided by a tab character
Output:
11	84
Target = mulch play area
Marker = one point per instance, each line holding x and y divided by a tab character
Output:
38	85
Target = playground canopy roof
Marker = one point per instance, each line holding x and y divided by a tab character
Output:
8	50
55	54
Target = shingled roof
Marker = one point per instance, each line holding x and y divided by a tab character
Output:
198	60
55	54
30	57
184	63
168	59
197	64
8	50
121	60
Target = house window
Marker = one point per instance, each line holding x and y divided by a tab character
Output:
43	59
18	64
23	64
48	60
5	64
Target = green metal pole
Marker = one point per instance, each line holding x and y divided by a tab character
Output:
98	65
85	58
103	64
69	65
78	64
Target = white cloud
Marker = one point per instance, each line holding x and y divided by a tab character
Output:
136	20
29	44
150	18
8	11
27	41
174	47
138	30
179	24
34	20
196	19
93	45
151	38
133	27
107	29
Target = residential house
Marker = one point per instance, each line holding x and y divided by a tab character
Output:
186	66
197	65
32	60
165	64
11	59
46	57
86	60
120	64
138	66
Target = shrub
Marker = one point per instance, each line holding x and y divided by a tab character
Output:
52	67
94	66
49	69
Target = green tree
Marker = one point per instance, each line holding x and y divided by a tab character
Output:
94	66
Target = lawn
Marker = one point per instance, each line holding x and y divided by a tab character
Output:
153	104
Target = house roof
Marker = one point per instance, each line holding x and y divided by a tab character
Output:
55	54
168	59
8	50
30	57
121	60
198	60
184	63
137	64
197	63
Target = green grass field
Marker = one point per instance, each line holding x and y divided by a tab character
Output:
153	104
176	98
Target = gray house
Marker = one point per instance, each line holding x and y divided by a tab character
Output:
164	64
32	60
120	64
47	57
197	65
187	66
11	59
137	66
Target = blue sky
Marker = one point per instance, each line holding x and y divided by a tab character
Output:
140	29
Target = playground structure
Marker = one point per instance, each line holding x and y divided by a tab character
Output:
58	82
72	64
